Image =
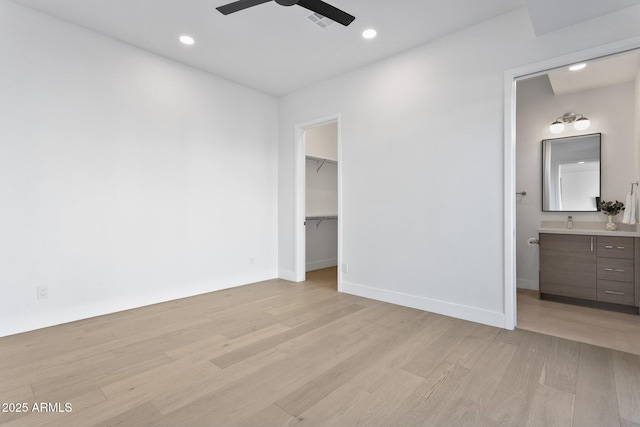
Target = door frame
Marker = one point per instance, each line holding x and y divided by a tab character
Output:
300	196
510	78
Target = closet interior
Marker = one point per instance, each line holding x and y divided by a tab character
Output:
321	196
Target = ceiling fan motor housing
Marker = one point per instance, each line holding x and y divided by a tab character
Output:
287	2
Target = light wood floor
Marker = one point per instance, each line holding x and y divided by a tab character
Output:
619	331
282	354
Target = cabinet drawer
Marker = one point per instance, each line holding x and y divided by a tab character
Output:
620	270
616	292
615	247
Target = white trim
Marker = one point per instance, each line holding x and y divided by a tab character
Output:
300	167
325	263
287	275
528	284
42	319
465	312
300	217
510	77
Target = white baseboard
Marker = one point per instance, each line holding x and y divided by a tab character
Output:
287	275
43	319
317	265
473	314
534	285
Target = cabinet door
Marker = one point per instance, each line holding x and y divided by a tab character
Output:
568	265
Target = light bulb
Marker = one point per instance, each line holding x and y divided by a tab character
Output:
556	127
582	123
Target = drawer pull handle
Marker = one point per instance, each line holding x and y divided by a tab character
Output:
614	292
608	246
617	270
620	247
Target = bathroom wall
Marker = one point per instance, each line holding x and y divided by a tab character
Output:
611	110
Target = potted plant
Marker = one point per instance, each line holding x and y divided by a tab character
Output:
611	209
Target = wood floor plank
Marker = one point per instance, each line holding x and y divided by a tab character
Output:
514	393
88	378
179	398
473	346
264	344
550	407
303	398
424	404
432	356
145	414
468	404
269	385
271	416
372	409
217	345
626	368
561	368
596	397
161	380
386	367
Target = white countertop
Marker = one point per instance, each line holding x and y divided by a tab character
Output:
589	232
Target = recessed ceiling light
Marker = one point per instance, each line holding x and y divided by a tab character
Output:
369	34
188	40
577	67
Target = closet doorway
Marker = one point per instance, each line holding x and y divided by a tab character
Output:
318	230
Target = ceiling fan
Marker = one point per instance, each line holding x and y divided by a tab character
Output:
317	6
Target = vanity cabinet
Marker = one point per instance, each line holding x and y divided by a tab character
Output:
599	271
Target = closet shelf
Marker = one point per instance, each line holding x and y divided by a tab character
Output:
321	217
321	161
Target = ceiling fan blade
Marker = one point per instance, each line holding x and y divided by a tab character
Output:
328	11
239	5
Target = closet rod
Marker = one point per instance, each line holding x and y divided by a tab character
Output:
319	219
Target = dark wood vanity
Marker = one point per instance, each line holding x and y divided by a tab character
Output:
600	271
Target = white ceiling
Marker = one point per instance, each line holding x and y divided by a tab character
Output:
598	73
551	15
276	49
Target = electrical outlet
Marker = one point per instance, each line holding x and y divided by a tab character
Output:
345	267
43	292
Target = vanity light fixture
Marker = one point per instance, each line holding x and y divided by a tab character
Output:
579	121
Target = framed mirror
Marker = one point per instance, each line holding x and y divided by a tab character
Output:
571	174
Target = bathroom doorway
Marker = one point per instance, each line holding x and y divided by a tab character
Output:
539	95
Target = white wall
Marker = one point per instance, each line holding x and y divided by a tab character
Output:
125	179
422	163
611	111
